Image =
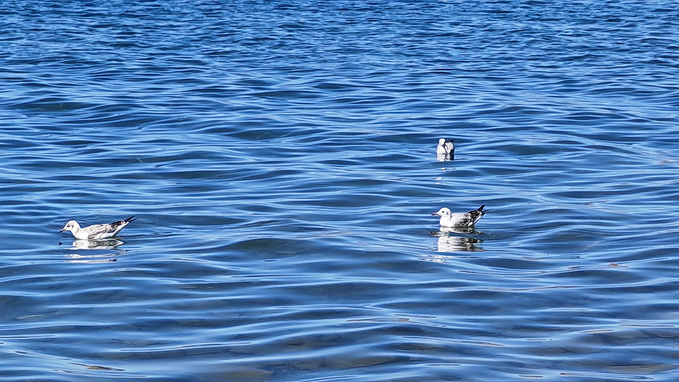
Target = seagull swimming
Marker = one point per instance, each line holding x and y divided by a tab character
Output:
459	219
445	150
96	231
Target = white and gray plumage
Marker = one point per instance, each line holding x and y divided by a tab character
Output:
459	219
97	231
445	150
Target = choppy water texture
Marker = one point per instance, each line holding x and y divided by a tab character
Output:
280	158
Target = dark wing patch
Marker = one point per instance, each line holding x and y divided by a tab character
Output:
466	221
474	215
450	149
118	224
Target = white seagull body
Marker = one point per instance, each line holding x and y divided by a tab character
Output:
459	219
445	150
97	231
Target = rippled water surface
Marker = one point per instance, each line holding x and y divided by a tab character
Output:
280	159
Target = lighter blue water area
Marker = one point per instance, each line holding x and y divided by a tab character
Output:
280	159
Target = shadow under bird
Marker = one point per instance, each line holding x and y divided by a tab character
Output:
459	219
445	150
96	231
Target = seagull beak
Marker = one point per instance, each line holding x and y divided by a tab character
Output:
61	230
435	213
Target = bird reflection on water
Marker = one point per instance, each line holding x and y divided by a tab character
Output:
457	240
97	251
97	244
92	259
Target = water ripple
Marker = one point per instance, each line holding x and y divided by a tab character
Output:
280	159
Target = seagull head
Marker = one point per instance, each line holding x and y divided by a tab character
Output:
442	212
442	142
72	226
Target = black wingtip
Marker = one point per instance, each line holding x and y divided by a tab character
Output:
130	219
481	208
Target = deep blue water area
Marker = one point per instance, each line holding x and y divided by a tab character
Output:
280	158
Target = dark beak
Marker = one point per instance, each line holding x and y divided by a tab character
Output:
434	214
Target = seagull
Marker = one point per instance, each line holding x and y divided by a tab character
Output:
459	219
97	231
445	150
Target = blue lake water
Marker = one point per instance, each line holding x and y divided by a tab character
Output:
280	159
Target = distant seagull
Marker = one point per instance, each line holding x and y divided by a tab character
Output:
459	219
97	231
445	150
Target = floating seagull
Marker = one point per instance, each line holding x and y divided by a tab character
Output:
445	150
97	231
459	219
